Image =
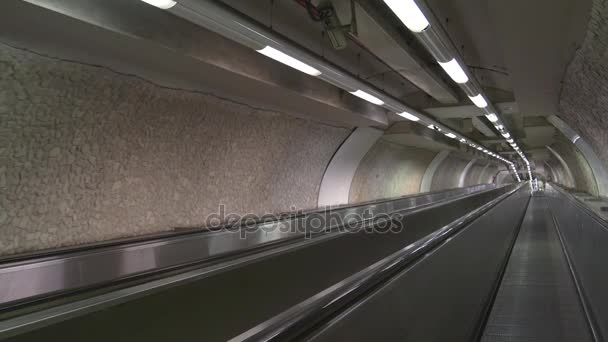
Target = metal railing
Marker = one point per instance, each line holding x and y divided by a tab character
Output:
295	321
584	236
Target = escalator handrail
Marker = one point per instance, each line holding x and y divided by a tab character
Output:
296	320
50	253
581	205
76	274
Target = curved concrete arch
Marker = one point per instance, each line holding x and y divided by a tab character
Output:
449	171
482	175
465	172
501	176
335	186
429	174
567	170
599	171
551	171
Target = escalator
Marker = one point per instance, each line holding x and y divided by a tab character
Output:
212	284
538	298
483	265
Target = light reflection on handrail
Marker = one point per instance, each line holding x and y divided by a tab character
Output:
311	310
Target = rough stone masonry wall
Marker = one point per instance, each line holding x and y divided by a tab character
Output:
584	99
87	155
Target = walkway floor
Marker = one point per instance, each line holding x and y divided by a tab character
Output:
537	300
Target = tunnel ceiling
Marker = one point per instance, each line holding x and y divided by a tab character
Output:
522	47
518	50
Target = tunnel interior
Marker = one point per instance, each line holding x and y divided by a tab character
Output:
288	169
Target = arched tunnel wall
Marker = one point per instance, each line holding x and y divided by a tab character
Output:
558	174
480	173
584	99
88	154
389	170
448	173
490	174
581	171
504	177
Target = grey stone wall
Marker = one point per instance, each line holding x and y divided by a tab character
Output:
389	170
584	98
87	154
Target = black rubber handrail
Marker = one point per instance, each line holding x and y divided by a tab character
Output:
298	319
581	205
458	193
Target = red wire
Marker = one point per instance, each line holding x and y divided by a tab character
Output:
305	4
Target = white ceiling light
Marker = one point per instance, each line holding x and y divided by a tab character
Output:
479	148
163	4
367	97
279	56
506	135
492	117
409	13
455	71
499	127
479	101
450	135
409	116
464	141
510	141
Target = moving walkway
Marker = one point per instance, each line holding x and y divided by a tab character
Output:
447	274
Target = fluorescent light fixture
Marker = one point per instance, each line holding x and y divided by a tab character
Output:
479	101
492	117
367	97
279	56
479	148
162	4
463	141
510	141
450	135
409	13
499	127
409	116
506	135
455	71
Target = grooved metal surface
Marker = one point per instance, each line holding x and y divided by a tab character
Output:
537	299
219	301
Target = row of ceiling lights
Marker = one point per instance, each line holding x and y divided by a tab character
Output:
414	19
283	53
